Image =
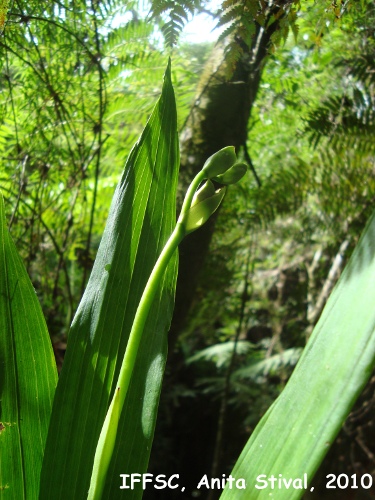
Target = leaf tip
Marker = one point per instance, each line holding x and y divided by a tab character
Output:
167	75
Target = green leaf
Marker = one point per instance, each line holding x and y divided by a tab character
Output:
28	376
296	432
141	219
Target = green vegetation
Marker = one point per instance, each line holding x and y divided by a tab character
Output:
266	355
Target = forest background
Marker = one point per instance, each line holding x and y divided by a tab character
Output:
292	87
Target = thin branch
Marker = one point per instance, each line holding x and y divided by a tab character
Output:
57	248
251	165
329	283
63	28
227	383
21	186
99	131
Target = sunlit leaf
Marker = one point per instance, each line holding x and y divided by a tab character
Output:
296	432
28	376
141	218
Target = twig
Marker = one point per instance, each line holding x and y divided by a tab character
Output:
224	400
329	283
99	130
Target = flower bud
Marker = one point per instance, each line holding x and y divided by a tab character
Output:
206	191
220	162
232	175
199	213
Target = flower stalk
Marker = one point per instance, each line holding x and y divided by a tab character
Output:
198	206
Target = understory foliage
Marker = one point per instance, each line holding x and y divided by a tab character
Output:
74	95
243	20
269	275
77	81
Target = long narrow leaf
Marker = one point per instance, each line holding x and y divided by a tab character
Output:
141	218
295	434
28	376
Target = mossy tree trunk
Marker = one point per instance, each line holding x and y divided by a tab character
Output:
218	118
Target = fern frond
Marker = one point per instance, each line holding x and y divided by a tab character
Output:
233	53
347	120
233	14
269	366
361	68
227	4
345	179
343	118
245	17
220	354
177	12
230	29
282	192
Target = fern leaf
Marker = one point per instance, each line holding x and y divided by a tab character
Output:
177	12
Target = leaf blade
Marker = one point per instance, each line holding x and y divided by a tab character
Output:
141	218
296	432
28	375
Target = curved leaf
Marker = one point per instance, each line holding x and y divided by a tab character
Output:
296	432
141	218
28	376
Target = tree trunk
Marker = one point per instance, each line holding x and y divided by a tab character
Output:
218	118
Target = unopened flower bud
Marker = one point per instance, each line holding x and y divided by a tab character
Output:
206	191
220	162
198	214
232	175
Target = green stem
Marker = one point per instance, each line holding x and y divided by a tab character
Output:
198	179
106	443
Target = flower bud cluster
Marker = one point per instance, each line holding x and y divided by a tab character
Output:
223	168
